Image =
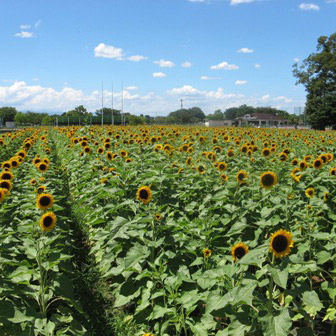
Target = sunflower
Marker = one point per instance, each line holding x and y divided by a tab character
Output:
221	166
148	334
266	152
32	182
87	149
157	217
239	250
268	180
144	194
109	155
310	192
294	162
6	164
6	175
241	176
332	171
206	253
326	196
103	180
281	243
224	177
330	156
318	163
3	193
14	162
45	201
48	221
36	161
128	160
42	167
188	161
201	169
303	165
123	153
41	189
100	150
6	184
283	156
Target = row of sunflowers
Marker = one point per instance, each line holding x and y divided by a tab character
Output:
224	231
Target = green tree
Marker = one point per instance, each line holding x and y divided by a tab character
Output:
47	120
318	74
78	112
7	113
20	118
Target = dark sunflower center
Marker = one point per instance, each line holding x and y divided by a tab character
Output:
267	180
45	200
310	192
7	165
40	190
6	176
280	243
143	194
318	163
239	252
4	185
333	172
109	156
14	163
87	150
221	167
241	177
47	221
43	166
266	152
200	168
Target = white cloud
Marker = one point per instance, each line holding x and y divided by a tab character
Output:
257	66
46	99
186	64
106	51
296	59
137	58
309	6
159	74
164	64
37	23
237	2
245	50
240	82
131	88
209	78
24	34
25	26
224	66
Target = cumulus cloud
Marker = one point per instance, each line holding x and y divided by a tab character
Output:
164	63
209	78
25	34
257	66
137	58
186	64
240	82
106	51
296	59
25	26
131	88
237	2
224	66
245	50
159	74
309	6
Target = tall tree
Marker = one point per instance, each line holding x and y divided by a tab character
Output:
7	113
318	74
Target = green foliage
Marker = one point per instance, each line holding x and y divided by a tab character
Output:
318	74
7	113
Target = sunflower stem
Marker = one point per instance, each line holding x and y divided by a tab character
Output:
270	291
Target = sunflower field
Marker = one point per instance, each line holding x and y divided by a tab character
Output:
153	230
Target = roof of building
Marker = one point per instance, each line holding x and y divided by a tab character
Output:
261	116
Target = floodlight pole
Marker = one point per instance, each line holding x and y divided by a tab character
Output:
112	106
102	103
181	109
122	102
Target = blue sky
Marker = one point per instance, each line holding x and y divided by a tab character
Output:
211	53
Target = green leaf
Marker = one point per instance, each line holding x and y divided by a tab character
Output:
278	325
312	303
279	277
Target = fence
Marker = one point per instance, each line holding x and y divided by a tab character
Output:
89	120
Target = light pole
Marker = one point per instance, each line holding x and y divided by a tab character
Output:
181	100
